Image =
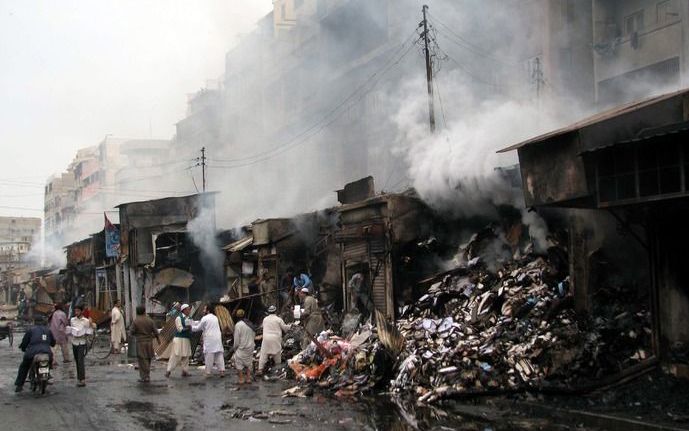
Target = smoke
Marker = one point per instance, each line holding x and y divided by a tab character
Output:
538	229
333	95
47	253
203	235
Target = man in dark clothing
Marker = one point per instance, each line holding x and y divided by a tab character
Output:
37	339
286	287
144	330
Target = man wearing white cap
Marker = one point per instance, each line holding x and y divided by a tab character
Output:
181	344
271	345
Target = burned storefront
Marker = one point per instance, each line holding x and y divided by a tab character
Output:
89	277
623	175
375	231
160	260
258	263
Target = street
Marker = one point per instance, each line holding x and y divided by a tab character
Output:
113	399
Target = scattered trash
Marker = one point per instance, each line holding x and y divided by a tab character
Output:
502	320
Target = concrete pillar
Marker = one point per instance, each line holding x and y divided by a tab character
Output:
684	53
135	290
127	294
579	264
118	281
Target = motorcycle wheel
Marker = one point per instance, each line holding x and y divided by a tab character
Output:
44	384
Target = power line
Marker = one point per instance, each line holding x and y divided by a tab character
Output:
440	99
469	73
464	43
193	180
322	127
374	78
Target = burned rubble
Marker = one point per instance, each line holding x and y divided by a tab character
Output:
501	321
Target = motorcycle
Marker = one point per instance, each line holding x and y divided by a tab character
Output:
40	372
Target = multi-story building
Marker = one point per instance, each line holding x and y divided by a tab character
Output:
201	126
17	234
310	98
59	205
640	47
99	178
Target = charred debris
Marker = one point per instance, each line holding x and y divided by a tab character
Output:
502	320
415	302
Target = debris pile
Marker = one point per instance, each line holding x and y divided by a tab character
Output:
501	321
348	367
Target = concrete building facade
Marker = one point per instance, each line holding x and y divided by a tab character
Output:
17	235
99	178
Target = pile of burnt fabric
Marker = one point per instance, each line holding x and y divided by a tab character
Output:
351	366
506	324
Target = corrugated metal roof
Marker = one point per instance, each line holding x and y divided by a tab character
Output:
646	134
597	118
240	244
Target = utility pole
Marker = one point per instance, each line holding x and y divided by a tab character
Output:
429	70
537	77
203	167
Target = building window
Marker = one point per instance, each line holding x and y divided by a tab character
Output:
667	11
634	23
652	168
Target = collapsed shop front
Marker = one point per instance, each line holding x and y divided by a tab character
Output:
159	260
624	175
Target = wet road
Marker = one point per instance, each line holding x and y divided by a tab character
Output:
113	399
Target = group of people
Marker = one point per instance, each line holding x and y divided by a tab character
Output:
213	350
63	331
48	339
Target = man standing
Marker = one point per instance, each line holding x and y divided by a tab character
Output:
271	345
360	299
58	327
181	344
287	286
213	351
81	326
310	315
117	329
36	340
244	343
144	331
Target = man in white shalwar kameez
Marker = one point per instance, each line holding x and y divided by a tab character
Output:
181	344
213	351
118	333
271	345
244	343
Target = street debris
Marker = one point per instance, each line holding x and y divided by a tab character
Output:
501	321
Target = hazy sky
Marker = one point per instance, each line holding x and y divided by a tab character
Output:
72	72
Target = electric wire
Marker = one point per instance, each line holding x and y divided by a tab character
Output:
318	125
464	43
440	99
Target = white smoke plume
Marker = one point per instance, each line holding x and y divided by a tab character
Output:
203	235
46	253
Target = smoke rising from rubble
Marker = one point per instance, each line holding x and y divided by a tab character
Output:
203	235
48	253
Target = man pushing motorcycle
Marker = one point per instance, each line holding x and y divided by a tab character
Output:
37	339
